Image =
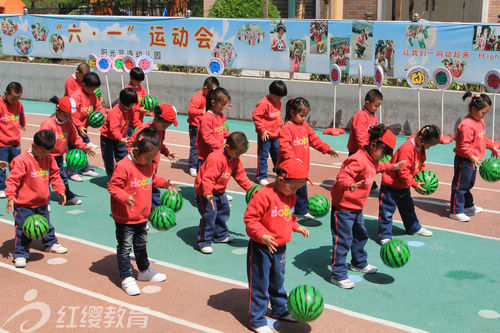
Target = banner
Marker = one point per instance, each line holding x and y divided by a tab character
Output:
468	51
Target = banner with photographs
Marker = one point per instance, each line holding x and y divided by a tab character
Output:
468	51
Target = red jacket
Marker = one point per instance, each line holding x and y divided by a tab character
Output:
64	133
29	178
85	104
267	116
11	119
71	85
117	123
471	138
161	135
415	162
129	177
141	92
295	141
360	123
214	174
357	167
196	109
211	134
271	213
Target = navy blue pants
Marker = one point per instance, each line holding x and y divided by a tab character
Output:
348	233
60	163
464	178
264	149
23	243
301	204
112	152
389	199
7	154
129	235
266	276
213	226
193	154
155	198
85	139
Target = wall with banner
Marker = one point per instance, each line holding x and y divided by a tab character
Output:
469	51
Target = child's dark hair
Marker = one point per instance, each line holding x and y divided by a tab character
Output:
91	79
211	82
137	74
216	94
294	105
478	101
146	140
373	95
83	68
376	132
14	87
278	88
45	138
54	99
128	96
430	134
237	141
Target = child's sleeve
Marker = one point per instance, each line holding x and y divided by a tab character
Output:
258	118
467	140
348	174
22	118
210	175
75	138
386	166
16	174
254	213
131	140
164	150
196	106
240	176
285	142
117	183
405	172
159	182
136	121
55	177
316	142
206	129
115	130
226	131
360	125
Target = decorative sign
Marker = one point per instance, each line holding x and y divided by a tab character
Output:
378	76
492	81
215	66
104	64
128	63
335	74
418	77
92	61
145	63
117	63
442	78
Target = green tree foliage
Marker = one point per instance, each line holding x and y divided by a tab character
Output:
241	9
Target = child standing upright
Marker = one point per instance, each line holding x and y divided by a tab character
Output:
28	193
210	185
349	195
130	189
295	138
395	189
268	122
74	82
12	120
196	109
136	77
471	144
269	221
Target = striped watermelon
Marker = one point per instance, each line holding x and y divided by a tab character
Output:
490	169
318	205
98	93
76	159
95	119
35	226
305	303
226	126
430	179
149	102
162	218
386	158
172	200
251	192
395	253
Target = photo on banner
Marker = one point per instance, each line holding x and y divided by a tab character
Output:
420	36
319	37
9	26
56	44
456	66
384	56
23	45
39	30
251	34
486	38
298	55
225	52
339	53
362	37
278	35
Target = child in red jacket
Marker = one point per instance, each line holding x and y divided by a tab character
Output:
210	185
270	220
28	193
130	189
74	82
349	195
136	77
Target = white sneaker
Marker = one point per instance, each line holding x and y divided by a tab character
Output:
385	240
229	197
90	173
130	286
207	250
423	232
345	284
368	269
262	329
76	177
48	207
73	202
228	239
2	195
471	211
307	216
461	217
20	262
151	275
193	172
56	248
263	182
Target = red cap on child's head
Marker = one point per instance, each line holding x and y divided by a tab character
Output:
294	169
389	139
169	113
67	105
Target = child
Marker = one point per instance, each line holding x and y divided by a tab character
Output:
165	115
86	102
196	109
296	57
130	189
61	124
114	130
11	121
268	122
349	195
28	193
471	143
136	77
395	189
295	138
210	185
361	123
279	41
361	44
269	221
74	82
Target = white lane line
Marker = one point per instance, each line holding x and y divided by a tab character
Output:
108	299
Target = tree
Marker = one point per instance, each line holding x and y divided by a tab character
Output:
241	9
300	13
